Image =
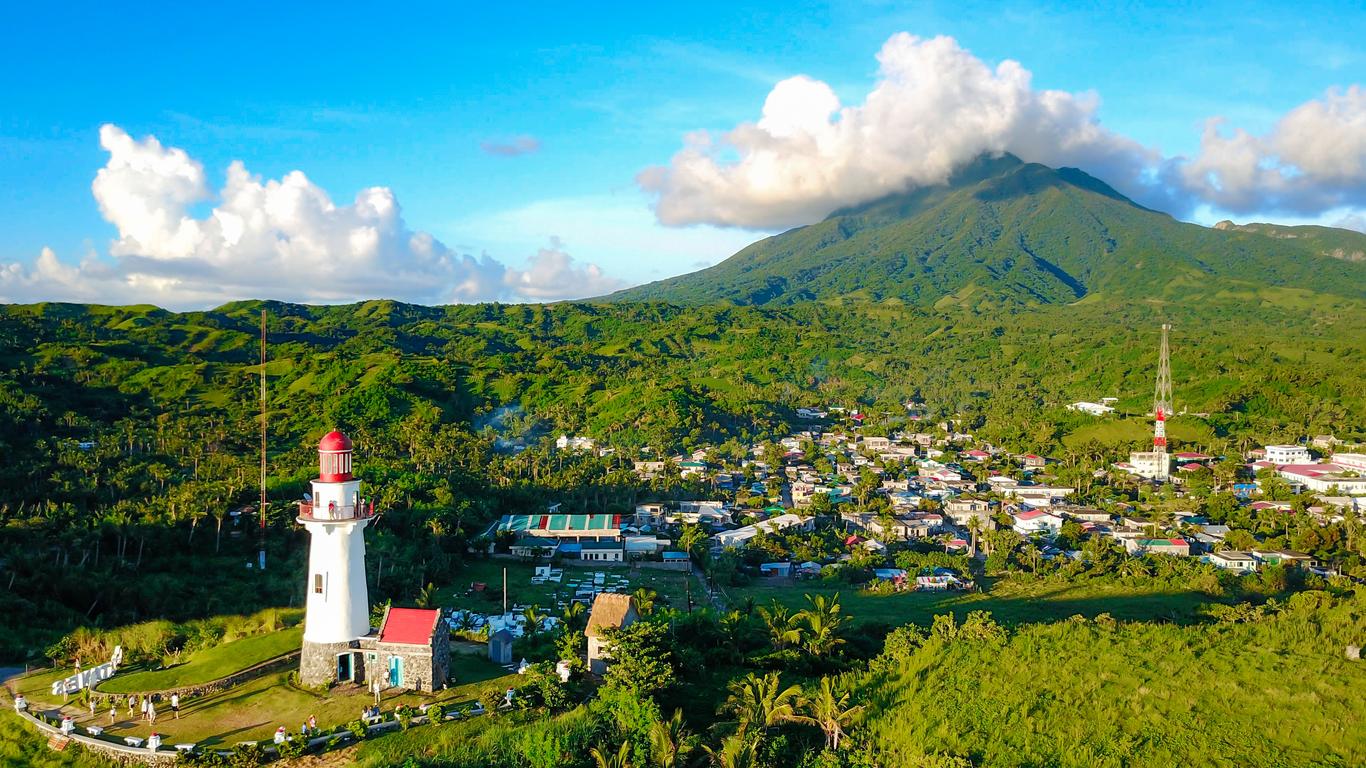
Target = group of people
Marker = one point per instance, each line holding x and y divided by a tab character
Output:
370	713
144	707
309	728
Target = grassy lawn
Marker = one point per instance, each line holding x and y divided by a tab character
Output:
255	709
209	664
670	585
1011	602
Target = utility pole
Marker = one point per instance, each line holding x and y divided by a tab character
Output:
261	534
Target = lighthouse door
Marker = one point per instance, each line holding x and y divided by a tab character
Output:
395	671
344	671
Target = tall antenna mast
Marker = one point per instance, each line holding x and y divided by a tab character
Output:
1162	397
261	555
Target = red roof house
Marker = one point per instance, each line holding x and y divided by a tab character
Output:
412	626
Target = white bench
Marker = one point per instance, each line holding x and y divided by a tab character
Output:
132	741
94	730
184	747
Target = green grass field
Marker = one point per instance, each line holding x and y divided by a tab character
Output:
253	710
1010	602
209	664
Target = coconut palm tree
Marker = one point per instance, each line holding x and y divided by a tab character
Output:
823	621
645	600
622	759
736	752
669	742
574	612
760	703
783	629
534	619
830	709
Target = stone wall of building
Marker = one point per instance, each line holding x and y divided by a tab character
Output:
318	661
424	668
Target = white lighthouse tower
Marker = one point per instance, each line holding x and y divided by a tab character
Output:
338	606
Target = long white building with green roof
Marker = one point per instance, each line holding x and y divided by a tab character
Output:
565	527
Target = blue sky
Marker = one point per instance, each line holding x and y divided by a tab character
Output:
356	96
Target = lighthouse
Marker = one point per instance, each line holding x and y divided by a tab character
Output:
337	614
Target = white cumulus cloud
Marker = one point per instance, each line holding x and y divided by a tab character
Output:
278	238
936	107
1312	160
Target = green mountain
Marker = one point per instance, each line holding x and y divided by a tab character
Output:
1004	233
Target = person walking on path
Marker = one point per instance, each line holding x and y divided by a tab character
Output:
113	713
143	707
132	705
151	713
175	705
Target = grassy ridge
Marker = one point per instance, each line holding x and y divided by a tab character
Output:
1080	693
209	664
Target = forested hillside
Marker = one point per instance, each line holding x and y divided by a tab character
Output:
130	434
1003	233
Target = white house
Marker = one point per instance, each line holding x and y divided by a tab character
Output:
741	536
1323	478
1036	521
1095	409
1288	454
1153	465
565	442
1234	560
1355	462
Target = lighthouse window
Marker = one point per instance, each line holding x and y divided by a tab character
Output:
317	583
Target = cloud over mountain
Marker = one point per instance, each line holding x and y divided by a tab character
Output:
279	238
936	106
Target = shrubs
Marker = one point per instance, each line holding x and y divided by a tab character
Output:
162	641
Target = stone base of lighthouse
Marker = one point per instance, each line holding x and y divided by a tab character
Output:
318	662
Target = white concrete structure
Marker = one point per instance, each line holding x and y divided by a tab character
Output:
337	610
1325	478
1356	462
1233	560
1036	521
1154	465
1288	454
565	442
740	536
1095	409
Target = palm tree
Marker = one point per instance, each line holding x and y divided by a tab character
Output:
669	746
782	625
760	702
822	621
622	759
735	752
830	710
534	619
573	612
645	600
974	528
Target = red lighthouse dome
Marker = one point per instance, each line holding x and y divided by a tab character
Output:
334	458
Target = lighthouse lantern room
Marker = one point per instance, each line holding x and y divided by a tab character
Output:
338	607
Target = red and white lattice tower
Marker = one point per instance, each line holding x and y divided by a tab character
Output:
1162	398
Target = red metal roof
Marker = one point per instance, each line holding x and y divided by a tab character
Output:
334	441
409	625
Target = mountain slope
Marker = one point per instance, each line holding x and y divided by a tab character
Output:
1003	232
